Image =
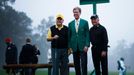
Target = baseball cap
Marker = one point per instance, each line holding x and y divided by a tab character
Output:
59	16
8	40
94	16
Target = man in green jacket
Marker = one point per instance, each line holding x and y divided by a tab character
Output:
78	38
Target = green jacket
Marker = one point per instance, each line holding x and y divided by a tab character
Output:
78	39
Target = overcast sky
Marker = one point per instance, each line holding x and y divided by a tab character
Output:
117	16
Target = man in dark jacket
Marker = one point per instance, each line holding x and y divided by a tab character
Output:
26	56
99	41
58	35
10	54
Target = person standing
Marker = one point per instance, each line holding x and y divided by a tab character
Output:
36	54
26	56
121	66
10	54
35	57
58	35
99	41
78	38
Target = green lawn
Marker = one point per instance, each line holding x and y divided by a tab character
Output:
72	73
41	72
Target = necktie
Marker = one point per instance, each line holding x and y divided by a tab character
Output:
77	25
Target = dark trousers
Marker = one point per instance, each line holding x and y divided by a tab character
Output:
26	71
9	72
34	62
13	71
33	71
100	63
80	62
50	69
60	61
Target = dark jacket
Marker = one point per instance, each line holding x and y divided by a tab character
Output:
35	57
11	54
98	37
62	41
27	54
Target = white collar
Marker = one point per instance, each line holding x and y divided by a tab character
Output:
77	20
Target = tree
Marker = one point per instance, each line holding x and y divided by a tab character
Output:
13	24
40	34
5	2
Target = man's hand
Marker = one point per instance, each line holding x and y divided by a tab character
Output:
85	49
103	53
70	51
55	37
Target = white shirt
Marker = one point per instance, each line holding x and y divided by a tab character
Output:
77	22
122	64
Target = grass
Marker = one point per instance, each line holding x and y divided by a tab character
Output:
44	72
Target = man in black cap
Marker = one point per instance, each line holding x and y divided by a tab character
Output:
99	41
